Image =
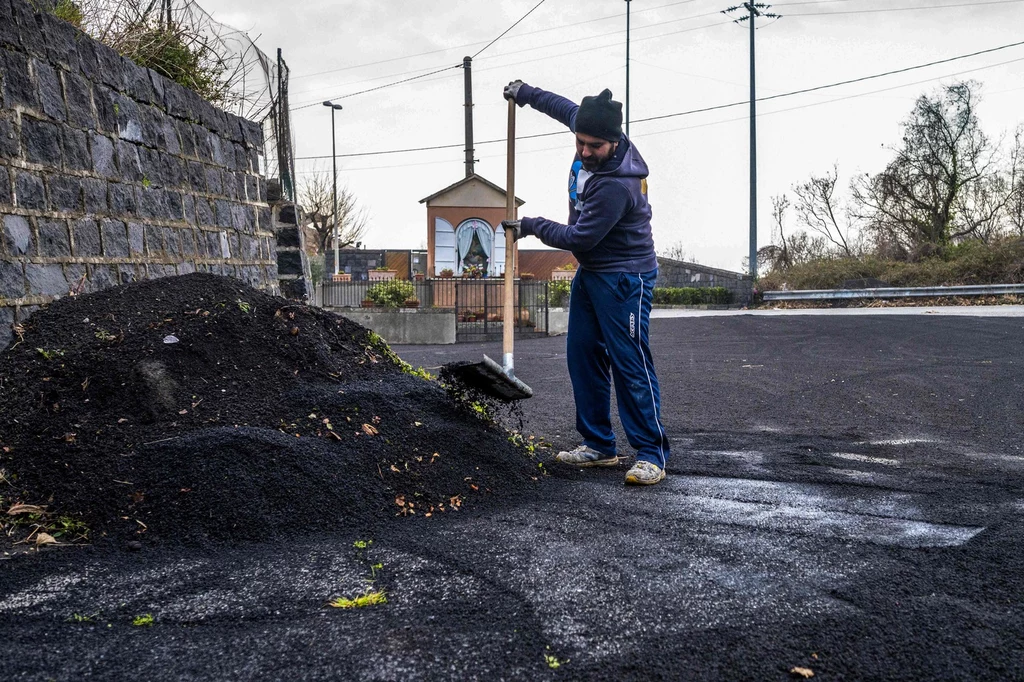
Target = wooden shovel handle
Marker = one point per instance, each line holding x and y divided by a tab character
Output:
510	242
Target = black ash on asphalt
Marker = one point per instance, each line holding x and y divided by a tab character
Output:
197	409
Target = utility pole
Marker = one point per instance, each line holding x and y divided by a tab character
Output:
467	66
754	9
334	188
627	67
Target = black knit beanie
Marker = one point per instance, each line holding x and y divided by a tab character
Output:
600	116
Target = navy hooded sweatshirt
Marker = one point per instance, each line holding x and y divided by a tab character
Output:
609	226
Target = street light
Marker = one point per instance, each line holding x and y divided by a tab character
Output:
627	68
334	187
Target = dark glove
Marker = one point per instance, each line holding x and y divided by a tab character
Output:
515	226
512	90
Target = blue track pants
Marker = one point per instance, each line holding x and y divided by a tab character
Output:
609	320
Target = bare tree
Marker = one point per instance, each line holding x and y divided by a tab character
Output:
926	196
677	251
776	256
1015	202
317	201
818	207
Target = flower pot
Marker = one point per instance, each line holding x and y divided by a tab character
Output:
381	275
368	303
341	277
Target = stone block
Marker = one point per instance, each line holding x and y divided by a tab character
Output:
175	205
224	213
251	188
106	117
123	200
32	39
64	192
62	41
6	196
136	239
100	277
288	237
76	149
154	241
264	190
189	207
288	215
129	118
249	247
186	267
137	83
241	218
102	151
129	164
263	217
46	280
213	180
159	84
217	151
187	138
10	36
172	239
169	135
241	191
188	243
233	245
153	203
127	273
273	190
17	237
204	212
175	171
18	86
29	190
50	94
87	64
85	238
54	238
202	138
213	246
109	67
115	239
289	263
252	133
10	137
151	121
227	184
12	279
180	102
196	176
6	312
78	93
94	194
41	141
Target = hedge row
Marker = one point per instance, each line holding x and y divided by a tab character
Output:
692	295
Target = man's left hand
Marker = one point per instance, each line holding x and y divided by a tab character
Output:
515	226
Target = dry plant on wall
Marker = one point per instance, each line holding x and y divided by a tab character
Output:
175	38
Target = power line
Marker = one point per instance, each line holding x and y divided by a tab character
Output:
903	9
702	110
379	87
508	29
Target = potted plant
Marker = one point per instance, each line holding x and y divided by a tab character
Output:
411	302
418	276
341	277
472	272
525	275
563	272
368	303
446	273
381	274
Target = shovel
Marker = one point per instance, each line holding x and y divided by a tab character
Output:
488	377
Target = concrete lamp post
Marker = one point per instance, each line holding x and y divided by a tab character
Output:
334	187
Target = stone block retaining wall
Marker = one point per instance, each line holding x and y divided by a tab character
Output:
111	173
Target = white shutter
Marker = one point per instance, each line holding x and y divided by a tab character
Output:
498	261
444	246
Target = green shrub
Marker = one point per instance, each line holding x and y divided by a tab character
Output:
558	292
692	295
392	293
317	269
70	12
185	59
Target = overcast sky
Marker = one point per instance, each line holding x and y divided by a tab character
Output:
685	55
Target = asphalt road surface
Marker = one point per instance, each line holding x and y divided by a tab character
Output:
845	496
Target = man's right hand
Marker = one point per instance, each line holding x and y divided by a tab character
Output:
512	90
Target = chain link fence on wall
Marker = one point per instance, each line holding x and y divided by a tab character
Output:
234	74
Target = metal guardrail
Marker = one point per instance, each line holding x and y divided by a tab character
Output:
894	292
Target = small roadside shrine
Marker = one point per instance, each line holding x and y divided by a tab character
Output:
464	227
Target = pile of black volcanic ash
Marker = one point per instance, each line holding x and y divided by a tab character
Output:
196	408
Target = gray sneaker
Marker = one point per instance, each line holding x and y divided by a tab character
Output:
583	456
644	473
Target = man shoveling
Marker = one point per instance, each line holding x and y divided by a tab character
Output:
609	233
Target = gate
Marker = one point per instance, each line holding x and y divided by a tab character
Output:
480	309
